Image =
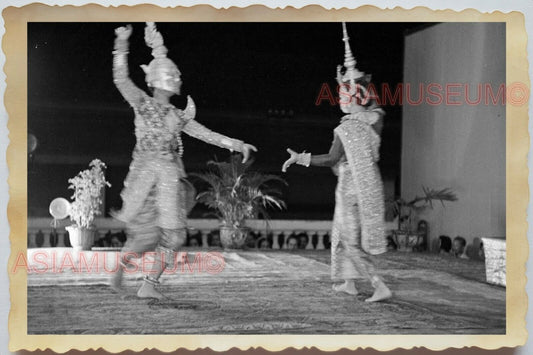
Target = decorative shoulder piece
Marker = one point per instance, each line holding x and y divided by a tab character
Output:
378	110
190	110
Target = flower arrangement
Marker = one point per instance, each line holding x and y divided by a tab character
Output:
87	186
237	194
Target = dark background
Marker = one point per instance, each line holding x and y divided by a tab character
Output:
258	82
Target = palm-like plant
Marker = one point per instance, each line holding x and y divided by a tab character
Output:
237	194
405	210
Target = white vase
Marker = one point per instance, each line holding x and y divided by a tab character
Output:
81	238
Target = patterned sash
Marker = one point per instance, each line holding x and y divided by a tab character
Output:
361	146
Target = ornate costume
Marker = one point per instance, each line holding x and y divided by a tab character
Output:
155	192
358	222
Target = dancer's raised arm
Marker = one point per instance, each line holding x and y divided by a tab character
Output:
124	84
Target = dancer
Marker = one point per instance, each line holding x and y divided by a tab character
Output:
358	222
154	196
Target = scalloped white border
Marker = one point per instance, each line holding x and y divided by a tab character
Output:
458	5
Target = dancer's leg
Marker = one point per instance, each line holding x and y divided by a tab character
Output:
341	268
367	270
143	236
171	240
139	212
360	259
171	218
381	291
344	232
137	244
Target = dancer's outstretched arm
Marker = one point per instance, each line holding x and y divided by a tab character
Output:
199	131
332	157
306	159
124	84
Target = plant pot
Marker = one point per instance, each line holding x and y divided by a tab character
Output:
233	238
81	238
495	260
405	241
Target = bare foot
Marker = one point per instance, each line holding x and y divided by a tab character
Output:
346	287
381	293
116	281
148	290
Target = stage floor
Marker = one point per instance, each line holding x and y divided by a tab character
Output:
256	292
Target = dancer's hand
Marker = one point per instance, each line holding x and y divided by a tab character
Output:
247	151
123	32
293	159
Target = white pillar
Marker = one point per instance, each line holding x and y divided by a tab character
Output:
46	239
203	235
309	245
287	235
32	236
60	240
275	242
320	245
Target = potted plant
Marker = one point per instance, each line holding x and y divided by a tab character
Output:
86	203
406	237
236	195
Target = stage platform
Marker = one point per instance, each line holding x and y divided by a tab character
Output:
261	292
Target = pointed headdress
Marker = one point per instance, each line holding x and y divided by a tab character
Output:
160	64
351	72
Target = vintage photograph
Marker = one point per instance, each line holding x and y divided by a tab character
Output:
266	178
